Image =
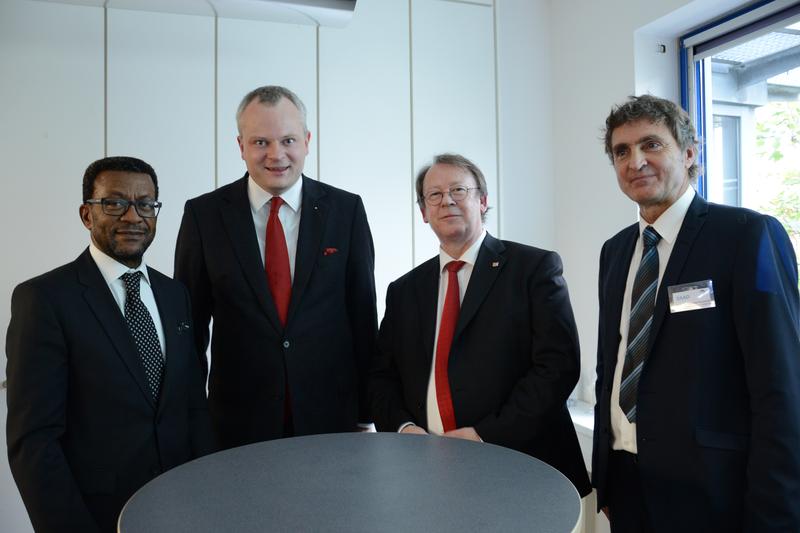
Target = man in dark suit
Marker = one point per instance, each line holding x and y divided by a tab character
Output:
479	342
697	423
104	387
284	266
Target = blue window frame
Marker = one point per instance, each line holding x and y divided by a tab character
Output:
702	42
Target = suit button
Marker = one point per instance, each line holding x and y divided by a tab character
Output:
286	344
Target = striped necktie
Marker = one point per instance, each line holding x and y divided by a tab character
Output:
643	299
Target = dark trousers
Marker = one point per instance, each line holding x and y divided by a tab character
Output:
627	510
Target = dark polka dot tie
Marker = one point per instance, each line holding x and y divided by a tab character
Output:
143	330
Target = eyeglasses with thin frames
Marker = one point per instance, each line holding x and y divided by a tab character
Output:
457	193
116	207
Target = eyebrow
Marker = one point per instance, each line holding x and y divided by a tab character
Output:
649	137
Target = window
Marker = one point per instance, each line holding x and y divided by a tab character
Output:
741	84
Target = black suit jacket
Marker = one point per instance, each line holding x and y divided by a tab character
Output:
718	412
325	349
83	431
513	362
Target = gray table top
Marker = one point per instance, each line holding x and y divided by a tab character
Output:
357	482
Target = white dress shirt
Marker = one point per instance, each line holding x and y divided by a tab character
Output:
667	225
112	270
289	215
469	257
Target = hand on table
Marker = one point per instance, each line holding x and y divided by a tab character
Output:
414	430
467	433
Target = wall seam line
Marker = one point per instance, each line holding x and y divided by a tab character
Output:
317	144
216	100
411	124
105	80
498	165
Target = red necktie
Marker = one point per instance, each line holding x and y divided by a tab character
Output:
277	260
447	328
280	285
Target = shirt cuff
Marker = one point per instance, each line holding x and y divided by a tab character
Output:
404	426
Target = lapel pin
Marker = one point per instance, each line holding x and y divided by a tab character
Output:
495	264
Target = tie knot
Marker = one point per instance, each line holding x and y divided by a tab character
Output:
650	237
454	266
275	204
131	281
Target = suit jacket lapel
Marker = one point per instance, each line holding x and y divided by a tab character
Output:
426	287
100	300
692	223
239	225
487	267
309	240
619	265
169	322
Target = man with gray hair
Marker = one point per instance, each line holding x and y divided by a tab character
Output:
697	423
479	342
284	266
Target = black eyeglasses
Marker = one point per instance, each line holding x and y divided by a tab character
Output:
116	207
457	193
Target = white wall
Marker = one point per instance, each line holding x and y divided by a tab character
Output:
601	53
525	122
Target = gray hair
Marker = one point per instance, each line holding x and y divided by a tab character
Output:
657	111
270	95
455	160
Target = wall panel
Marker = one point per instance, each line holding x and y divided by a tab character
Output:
453	95
365	126
256	53
161	108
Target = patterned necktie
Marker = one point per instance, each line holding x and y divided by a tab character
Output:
643	299
447	327
277	261
143	330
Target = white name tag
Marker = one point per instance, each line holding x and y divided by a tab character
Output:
691	296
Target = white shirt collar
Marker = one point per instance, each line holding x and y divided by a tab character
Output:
669	223
259	197
469	256
111	269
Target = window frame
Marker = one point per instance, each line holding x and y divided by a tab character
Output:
740	25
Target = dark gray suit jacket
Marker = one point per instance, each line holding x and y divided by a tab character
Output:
514	359
324	350
83	431
718	411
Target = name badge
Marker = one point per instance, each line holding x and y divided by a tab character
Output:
691	296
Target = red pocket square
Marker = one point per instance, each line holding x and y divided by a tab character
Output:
330	251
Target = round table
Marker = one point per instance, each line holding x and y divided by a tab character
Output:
357	482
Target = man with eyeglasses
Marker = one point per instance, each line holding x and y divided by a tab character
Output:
104	385
479	342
